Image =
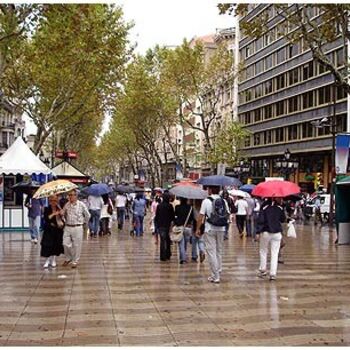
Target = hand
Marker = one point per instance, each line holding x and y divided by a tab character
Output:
198	234
257	237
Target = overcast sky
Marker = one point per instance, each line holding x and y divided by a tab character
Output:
167	22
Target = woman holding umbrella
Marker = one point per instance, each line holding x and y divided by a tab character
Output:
52	241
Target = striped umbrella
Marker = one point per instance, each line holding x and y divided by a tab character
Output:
54	187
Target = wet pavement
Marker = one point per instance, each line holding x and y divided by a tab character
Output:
121	294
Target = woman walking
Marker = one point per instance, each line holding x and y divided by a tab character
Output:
184	217
106	214
52	241
139	210
197	242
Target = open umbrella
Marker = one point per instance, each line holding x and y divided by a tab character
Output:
247	188
219	180
26	186
239	193
97	189
54	187
189	191
276	188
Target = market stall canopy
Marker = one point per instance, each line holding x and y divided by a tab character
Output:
344	181
20	159
67	169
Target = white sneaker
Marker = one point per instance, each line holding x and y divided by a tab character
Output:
47	263
35	240
213	279
53	262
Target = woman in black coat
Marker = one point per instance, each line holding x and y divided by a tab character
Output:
52	241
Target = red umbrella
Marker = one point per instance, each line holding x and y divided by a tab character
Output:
276	189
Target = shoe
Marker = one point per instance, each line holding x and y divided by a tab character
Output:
53	264
66	262
280	261
225	238
262	274
183	262
35	240
201	256
213	279
194	259
47	263
74	265
272	278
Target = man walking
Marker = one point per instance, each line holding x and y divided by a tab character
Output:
76	215
121	205
241	215
165	216
215	213
95	204
35	207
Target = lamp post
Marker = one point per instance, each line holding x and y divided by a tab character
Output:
286	165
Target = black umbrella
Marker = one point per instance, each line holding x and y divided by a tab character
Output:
27	186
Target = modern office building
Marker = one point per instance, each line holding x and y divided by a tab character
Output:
282	89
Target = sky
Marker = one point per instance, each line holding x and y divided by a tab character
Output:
166	22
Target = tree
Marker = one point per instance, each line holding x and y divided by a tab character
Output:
299	21
70	69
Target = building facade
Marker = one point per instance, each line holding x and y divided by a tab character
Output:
282	89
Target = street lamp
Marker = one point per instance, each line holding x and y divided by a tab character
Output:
286	165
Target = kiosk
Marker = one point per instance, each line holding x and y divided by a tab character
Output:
342	210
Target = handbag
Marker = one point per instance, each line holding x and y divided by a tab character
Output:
177	232
59	221
291	230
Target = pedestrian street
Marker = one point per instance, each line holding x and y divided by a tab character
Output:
121	294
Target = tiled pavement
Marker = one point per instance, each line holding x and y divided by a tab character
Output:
122	295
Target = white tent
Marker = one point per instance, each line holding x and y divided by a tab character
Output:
19	159
67	169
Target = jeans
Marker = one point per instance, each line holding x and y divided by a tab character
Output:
121	217
249	225
265	239
214	246
197	244
183	243
138	225
165	252
94	221
34	227
105	225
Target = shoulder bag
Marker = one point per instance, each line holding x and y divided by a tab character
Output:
177	232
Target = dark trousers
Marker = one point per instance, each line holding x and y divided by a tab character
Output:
240	221
165	252
104	225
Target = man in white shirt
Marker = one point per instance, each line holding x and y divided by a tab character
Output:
241	215
213	234
120	203
95	205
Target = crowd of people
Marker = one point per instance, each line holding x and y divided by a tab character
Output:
175	224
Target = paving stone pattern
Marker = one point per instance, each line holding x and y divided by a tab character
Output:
121	294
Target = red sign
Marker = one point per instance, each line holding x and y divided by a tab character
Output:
66	154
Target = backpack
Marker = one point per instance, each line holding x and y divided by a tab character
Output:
219	213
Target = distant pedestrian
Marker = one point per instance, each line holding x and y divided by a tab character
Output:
35	209
121	201
184	217
95	204
76	214
106	214
52	240
269	231
250	216
198	245
139	212
164	220
214	213
231	206
154	228
241	215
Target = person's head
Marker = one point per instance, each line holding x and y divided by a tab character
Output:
213	190
225	194
73	196
158	199
105	198
139	195
53	201
166	197
239	197
182	200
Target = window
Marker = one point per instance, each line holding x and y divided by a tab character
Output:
241	97
267	87
324	95
281	55
267	39
294	49
247	141
268	137
279	134
246	117
268	62
4	139
339	57
259	67
322	68
293	76
341	123
341	93
307	130
268	112
258	91
257	139
248	95
281	82
258	44
257	115
293	104
250	71
248	50
308	99
308	70
279	108
293	132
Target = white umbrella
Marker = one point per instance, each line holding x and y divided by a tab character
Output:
239	193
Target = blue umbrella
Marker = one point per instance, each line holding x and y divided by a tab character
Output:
247	188
97	189
219	180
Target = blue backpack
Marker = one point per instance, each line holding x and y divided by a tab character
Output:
219	213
